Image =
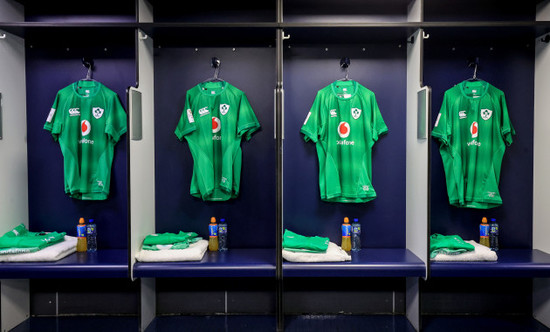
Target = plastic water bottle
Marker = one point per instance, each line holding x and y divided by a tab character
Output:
493	234
81	236
355	235
222	235
213	235
91	235
346	232
484	233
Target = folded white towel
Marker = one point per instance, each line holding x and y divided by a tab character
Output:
333	254
195	252
49	254
480	254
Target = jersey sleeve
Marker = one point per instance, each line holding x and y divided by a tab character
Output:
186	123
312	124
379	126
54	122
506	129
247	123
442	127
116	124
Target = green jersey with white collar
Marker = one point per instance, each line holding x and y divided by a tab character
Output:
473	128
344	123
216	117
87	120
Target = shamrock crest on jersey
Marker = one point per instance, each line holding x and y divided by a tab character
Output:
355	113
97	112
486	114
224	108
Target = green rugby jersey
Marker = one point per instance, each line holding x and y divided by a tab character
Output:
87	120
216	117
473	128
344	122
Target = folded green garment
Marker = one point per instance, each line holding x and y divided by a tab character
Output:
168	238
20	240
296	242
164	241
448	244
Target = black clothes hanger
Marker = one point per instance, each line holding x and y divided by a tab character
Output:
216	65
345	63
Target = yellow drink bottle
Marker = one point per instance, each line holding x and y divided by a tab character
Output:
484	233
213	233
81	242
346	235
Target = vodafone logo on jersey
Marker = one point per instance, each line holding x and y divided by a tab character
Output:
85	127
216	125
343	129
474	129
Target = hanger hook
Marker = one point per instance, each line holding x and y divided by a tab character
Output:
474	62
216	65
345	63
88	63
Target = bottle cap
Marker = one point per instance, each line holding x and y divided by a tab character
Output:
346	220
493	219
222	220
355	219
213	220
81	221
484	220
90	221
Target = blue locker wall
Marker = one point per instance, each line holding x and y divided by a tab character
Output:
49	69
382	69
509	66
251	216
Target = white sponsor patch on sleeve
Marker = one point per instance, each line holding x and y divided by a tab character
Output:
190	116
50	116
437	121
307	118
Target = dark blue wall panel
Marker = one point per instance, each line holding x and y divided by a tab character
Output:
251	216
50	209
382	69
509	67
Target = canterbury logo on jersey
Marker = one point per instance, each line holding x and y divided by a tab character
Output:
203	111
74	111
462	115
